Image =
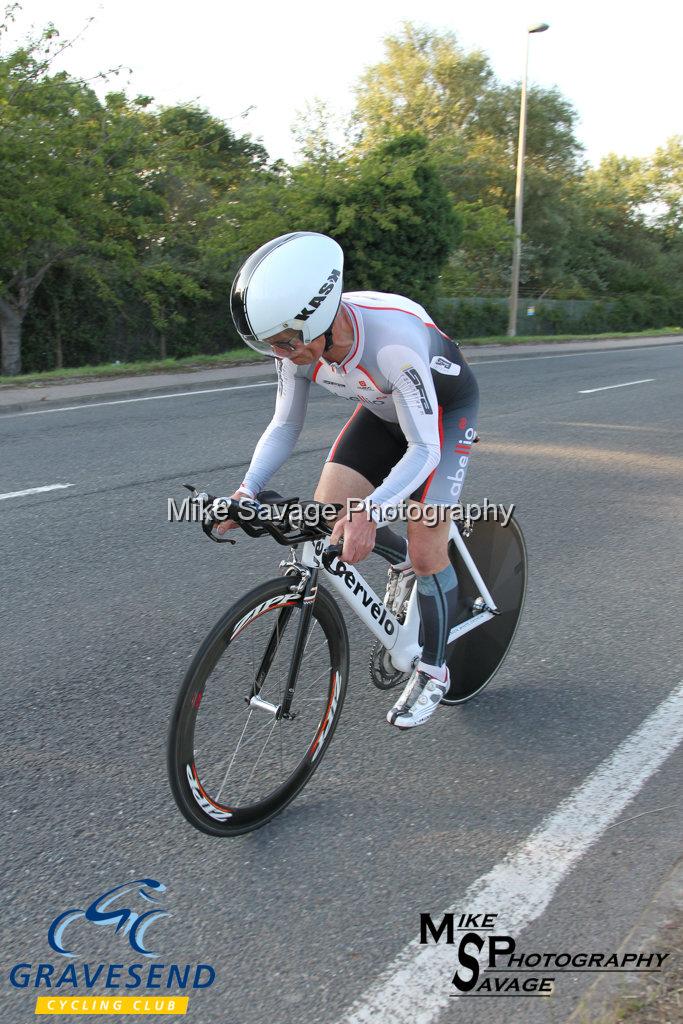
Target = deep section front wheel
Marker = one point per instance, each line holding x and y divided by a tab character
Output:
234	761
499	554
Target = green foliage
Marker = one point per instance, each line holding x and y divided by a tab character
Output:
122	225
463	319
426	83
387	208
479	318
72	180
123	193
395	221
480	265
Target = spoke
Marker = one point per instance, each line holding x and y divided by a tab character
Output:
317	679
259	757
225	778
271	764
252	738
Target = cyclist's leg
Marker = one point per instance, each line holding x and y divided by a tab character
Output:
437	584
359	460
428	544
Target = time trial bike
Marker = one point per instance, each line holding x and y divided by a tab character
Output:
262	698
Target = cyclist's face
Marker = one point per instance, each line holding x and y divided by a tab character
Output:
288	345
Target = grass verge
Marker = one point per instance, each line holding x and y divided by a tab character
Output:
241	357
659	997
540	339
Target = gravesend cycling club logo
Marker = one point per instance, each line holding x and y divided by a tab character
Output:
487	962
125	920
128	914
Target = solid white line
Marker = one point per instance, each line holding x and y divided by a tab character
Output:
266	384
559	355
416	987
34	490
145	398
609	387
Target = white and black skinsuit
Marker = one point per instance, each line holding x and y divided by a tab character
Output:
417	402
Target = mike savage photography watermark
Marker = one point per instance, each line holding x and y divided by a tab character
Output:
310	513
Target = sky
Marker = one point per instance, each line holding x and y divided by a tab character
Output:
618	63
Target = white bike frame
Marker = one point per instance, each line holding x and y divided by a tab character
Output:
401	639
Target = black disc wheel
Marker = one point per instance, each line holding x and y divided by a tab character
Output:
234	760
499	554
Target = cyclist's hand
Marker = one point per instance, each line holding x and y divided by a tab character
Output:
359	537
221	528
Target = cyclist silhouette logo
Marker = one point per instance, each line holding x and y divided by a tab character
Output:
125	920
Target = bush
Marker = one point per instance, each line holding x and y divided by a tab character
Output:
460	318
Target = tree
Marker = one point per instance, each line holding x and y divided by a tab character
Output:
480	265
426	83
386	207
198	162
665	175
617	244
395	220
68	179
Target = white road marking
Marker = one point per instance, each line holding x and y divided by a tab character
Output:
416	987
34	490
561	355
144	398
610	387
266	384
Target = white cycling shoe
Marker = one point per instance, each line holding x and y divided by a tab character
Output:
419	700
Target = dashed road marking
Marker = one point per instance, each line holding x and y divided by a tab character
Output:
610	387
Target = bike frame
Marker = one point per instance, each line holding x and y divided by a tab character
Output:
400	639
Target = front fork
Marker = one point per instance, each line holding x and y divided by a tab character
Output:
306	592
309	594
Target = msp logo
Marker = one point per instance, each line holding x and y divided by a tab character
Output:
125	920
490	964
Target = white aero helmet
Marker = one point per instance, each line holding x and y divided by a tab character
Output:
294	281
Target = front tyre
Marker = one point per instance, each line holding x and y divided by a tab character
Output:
233	764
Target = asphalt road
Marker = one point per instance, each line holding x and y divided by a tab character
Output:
103	604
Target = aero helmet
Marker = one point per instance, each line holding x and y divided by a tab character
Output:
294	281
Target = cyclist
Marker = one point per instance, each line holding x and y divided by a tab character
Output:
409	436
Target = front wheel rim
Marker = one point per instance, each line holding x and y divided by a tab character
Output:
237	764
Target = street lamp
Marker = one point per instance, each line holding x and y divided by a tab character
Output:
519	189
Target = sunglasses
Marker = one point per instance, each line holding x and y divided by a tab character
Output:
287	346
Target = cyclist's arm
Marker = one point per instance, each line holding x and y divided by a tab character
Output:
280	436
418	416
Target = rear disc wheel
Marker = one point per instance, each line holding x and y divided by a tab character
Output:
499	554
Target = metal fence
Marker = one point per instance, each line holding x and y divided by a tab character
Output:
483	317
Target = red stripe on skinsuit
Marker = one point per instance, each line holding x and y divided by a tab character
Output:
342	431
431	475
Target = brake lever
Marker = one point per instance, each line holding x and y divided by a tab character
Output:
333	551
208	525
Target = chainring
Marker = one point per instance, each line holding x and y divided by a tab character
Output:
382	673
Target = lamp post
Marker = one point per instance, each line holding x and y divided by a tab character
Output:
519	189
